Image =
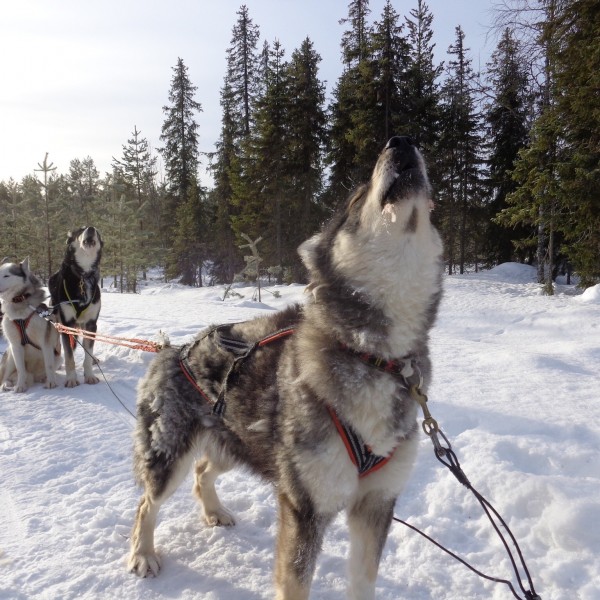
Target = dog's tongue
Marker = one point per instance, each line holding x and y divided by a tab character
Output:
389	209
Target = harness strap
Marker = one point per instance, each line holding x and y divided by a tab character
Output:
361	455
243	350
405	368
81	306
183	363
21	325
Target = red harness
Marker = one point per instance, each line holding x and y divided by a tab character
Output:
21	325
360	454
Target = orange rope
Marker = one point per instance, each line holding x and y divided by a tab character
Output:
133	343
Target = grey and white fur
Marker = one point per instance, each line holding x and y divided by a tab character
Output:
33	354
375	284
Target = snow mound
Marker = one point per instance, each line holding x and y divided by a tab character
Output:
513	272
591	295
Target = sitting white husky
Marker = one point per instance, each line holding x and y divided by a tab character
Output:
34	344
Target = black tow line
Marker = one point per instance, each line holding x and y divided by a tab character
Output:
448	458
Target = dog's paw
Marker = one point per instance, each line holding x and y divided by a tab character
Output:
144	565
20	388
50	385
219	518
92	379
71	383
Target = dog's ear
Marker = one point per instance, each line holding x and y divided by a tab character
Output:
69	237
25	266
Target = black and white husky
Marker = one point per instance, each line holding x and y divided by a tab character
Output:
314	398
34	348
75	292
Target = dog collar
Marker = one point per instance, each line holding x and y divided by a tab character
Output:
20	298
405	368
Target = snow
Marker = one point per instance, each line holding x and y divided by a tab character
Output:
515	390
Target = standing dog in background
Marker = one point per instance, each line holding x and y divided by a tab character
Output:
315	398
34	346
75	295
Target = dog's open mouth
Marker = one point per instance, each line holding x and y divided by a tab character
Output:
407	171
403	158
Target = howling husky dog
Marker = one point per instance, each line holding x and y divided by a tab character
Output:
34	350
314	399
76	295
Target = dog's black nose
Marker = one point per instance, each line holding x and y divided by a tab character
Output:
400	141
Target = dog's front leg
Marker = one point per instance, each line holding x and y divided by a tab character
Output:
89	359
369	521
71	379
18	355
299	537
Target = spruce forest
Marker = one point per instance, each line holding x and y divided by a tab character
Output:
513	152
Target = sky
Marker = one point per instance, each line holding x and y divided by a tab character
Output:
515	389
76	77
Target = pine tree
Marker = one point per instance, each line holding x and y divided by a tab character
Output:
460	160
390	56
261	187
507	118
305	140
180	151
351	98
238	98
242	69
180	134
422	88
137	170
83	188
577	81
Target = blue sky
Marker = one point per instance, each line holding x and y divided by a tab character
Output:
78	76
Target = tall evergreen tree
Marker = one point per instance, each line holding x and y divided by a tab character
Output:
261	187
180	134
304	142
238	98
460	160
137	170
422	85
345	170
390	56
577	81
507	117
242	68
180	151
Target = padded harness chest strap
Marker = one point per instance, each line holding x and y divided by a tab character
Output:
361	455
21	325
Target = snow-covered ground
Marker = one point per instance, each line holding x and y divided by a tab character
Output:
516	390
